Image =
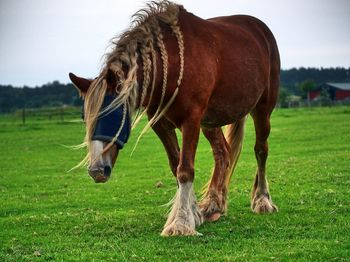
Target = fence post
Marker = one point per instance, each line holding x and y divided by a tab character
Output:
24	115
62	114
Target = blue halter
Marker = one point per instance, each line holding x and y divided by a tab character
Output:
109	123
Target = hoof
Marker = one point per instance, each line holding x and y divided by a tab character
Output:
213	217
179	230
211	209
184	215
197	215
263	205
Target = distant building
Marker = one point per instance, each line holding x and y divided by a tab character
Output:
336	91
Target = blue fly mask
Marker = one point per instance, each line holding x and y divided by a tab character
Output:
109	124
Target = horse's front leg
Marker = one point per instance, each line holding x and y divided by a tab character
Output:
185	214
166	133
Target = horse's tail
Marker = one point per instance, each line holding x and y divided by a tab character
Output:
234	135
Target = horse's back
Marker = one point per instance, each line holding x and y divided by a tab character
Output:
253	26
228	66
249	64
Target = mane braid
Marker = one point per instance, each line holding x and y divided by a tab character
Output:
139	40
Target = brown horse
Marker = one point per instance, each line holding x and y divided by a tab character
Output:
187	73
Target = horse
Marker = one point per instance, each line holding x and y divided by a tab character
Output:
195	75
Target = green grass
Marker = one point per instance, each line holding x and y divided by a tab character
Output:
49	214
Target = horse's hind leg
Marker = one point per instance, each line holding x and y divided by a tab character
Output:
261	199
214	201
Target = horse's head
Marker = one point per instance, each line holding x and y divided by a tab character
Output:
106	130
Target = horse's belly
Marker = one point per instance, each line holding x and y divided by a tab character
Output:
227	109
221	117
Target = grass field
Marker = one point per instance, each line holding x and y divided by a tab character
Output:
49	214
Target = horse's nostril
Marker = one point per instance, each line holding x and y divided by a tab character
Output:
100	175
107	170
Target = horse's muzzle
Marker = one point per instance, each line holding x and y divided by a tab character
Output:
100	175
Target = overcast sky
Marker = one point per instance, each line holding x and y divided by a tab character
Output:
43	40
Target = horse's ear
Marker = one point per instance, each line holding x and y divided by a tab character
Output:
82	84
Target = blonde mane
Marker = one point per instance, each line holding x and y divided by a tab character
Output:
141	39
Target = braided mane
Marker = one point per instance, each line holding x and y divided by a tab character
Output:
141	39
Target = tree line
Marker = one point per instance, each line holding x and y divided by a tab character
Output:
294	82
53	94
292	78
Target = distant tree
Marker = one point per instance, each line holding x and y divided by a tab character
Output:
324	98
50	94
283	97
305	87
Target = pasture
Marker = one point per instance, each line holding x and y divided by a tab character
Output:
49	214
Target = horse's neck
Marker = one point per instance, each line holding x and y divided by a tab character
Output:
155	80
166	68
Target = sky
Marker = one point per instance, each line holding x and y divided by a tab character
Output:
43	40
